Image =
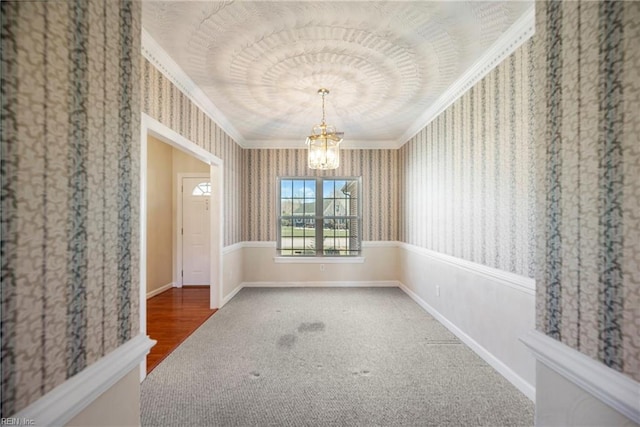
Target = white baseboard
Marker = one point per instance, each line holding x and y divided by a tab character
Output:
515	379
160	290
488	357
231	294
64	402
611	387
326	284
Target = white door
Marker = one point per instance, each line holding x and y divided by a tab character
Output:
196	221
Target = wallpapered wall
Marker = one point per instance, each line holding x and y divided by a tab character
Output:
467	183
163	101
378	169
70	189
587	60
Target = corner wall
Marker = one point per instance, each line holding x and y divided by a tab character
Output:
124	395
467	203
159	217
488	309
70	191
587	59
588	62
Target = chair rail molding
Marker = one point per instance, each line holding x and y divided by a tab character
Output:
611	387
64	402
516	281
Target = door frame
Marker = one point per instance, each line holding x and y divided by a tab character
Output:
151	127
179	247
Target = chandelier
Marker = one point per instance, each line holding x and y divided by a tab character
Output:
324	143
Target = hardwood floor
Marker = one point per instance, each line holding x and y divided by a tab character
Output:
172	316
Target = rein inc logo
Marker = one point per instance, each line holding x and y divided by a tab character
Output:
15	421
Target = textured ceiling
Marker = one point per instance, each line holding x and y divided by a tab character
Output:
385	63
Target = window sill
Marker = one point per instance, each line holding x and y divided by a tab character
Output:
318	260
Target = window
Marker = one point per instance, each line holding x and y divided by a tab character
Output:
319	216
202	189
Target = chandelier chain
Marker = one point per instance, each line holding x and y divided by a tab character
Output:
323	92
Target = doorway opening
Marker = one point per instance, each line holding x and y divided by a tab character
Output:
213	218
193	229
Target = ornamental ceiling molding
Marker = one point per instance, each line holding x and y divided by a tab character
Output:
514	37
507	43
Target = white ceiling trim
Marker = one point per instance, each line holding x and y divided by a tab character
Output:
155	54
514	37
348	144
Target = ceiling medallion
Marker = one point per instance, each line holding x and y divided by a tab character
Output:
324	143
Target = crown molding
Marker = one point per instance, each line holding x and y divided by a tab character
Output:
348	144
514	37
155	54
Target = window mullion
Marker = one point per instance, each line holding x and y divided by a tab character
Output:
319	221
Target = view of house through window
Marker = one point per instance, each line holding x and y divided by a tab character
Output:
319	216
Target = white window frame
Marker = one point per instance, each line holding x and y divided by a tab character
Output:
319	217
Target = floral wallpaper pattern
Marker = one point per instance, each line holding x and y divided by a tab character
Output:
587	61
484	181
70	189
467	180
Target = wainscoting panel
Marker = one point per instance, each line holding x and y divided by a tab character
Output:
487	313
260	267
576	390
232	270
572	405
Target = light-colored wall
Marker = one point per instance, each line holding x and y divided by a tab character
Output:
118	406
378	169
159	215
183	163
260	267
494	313
70	195
565	404
233	270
